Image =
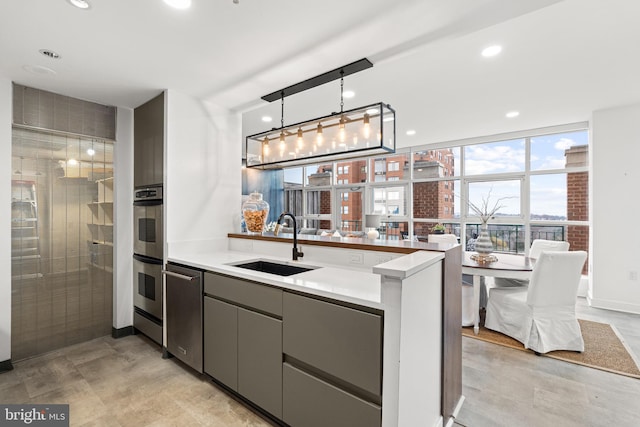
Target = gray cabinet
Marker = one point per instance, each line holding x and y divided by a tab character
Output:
260	360
243	339
221	341
148	143
307	361
333	370
341	341
311	402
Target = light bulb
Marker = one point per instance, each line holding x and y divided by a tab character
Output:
355	139
341	132
281	140
91	151
319	136
265	147
300	140
367	127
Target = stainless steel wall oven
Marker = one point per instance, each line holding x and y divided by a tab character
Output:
148	248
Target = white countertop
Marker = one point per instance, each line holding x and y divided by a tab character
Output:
344	284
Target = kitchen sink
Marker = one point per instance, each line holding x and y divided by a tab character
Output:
271	267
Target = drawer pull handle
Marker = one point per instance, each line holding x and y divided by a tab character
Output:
178	275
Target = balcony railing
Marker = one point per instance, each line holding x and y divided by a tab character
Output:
510	238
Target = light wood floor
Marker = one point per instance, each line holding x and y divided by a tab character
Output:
125	382
506	387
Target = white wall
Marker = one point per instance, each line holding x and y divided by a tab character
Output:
123	221
615	205
5	219
202	171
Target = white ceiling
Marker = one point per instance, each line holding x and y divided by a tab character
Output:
561	60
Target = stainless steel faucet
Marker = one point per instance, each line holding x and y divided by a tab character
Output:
296	253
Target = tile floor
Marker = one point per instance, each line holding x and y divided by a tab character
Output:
125	382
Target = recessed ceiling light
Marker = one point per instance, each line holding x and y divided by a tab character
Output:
267	119
38	69
80	4
91	151
411	132
512	114
179	4
491	51
49	53
348	94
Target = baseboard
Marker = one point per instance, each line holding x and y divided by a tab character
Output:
456	411
6	365
122	332
613	305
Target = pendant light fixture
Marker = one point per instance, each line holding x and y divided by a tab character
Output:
360	132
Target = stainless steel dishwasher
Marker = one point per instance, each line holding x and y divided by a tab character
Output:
184	314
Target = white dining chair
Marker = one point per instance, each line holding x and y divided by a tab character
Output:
537	247
541	316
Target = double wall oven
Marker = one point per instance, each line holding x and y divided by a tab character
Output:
148	248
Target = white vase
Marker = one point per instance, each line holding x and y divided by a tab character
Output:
484	245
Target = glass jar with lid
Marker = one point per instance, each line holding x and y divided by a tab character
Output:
255	212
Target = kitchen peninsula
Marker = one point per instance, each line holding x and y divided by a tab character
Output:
370	335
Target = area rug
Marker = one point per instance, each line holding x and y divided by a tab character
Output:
603	349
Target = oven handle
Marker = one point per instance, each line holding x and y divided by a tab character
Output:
152	202
178	275
147	260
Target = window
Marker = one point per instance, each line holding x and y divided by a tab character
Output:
493	158
502	193
319	175
351	213
358	171
558	151
542	181
390	168
549	198
389	201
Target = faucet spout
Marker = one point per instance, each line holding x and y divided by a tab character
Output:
296	254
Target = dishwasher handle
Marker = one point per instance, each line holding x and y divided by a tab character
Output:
178	275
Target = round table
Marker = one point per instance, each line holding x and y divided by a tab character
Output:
510	266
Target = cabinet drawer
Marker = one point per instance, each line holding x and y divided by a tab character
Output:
311	402
252	295
340	341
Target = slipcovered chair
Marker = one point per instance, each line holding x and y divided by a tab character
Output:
537	247
542	316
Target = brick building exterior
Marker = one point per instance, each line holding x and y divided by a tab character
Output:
432	199
578	199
